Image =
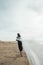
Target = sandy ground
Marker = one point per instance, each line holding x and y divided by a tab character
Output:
9	54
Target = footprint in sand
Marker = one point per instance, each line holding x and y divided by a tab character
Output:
1	63
14	58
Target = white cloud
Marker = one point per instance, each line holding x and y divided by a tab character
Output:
21	16
29	21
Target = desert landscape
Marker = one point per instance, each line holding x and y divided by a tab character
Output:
9	54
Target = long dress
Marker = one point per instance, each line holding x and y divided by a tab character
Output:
19	40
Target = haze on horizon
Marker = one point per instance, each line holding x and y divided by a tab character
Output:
24	16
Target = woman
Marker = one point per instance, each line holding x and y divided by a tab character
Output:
19	43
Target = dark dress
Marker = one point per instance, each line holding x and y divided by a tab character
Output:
19	44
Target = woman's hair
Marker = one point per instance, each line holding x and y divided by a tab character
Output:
18	34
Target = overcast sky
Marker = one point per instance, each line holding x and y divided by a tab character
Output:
24	16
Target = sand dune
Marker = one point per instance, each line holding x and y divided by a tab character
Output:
9	54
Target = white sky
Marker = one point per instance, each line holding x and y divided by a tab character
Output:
24	16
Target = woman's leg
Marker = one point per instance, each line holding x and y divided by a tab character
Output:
21	53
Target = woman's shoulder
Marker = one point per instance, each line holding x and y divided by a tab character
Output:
19	38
